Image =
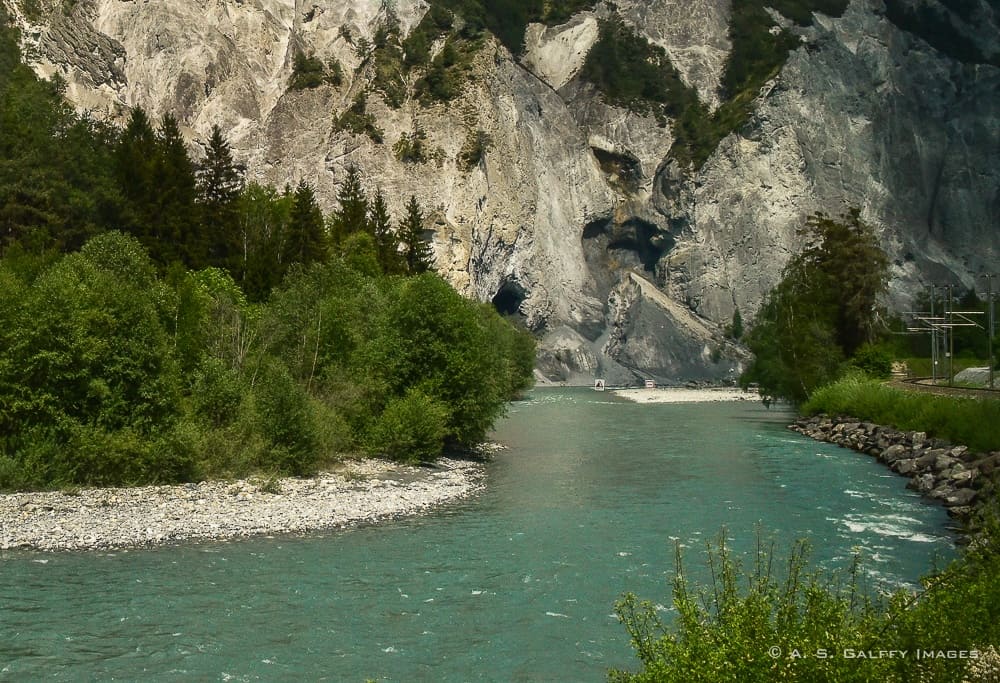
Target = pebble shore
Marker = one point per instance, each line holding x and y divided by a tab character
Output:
359	492
685	395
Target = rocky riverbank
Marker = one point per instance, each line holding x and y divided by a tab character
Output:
359	492
957	477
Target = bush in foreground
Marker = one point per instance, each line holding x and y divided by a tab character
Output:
809	625
751	624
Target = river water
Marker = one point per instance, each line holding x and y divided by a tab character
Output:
516	584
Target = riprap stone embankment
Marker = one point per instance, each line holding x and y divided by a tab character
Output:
961	479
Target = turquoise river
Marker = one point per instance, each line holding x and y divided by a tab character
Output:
515	584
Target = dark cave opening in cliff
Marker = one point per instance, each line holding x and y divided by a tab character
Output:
507	301
644	239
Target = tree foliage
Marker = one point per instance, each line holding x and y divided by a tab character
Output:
821	312
351	214
380	227
113	375
220	181
195	326
357	120
309	71
631	72
305	239
417	253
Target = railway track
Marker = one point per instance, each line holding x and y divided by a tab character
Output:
924	384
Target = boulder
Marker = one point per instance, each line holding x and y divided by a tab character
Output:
927	460
963	478
960	497
941	492
894	453
923	483
943	463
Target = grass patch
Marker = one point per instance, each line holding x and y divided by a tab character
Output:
973	422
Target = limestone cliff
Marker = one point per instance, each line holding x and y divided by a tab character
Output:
575	219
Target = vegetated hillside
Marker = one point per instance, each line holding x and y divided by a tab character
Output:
163	320
557	159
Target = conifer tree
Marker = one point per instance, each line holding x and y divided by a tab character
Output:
352	212
416	252
135	159
220	180
305	237
177	192
380	227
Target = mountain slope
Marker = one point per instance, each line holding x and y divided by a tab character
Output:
569	195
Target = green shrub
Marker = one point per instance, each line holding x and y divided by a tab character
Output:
436	22
411	429
112	376
726	631
448	71
959	609
874	361
85	343
439	343
389	76
473	149
358	121
411	148
633	73
308	72
507	19
216	392
361	254
282	407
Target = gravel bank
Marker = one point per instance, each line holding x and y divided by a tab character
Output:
360	492
684	395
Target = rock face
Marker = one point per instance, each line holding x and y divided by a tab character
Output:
575	221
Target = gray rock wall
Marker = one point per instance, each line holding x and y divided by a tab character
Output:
575	220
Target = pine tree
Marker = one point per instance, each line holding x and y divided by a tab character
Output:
177	192
380	227
305	237
352	213
737	327
220	180
135	159
416	252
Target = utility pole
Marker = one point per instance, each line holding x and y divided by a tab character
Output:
934	341
951	338
989	328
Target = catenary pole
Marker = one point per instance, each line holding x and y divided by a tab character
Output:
989	329
951	338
